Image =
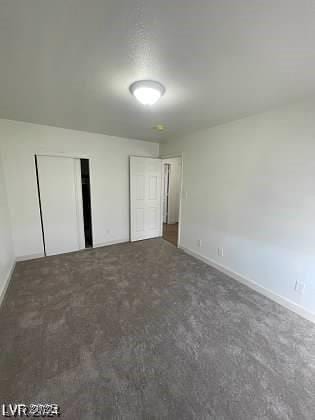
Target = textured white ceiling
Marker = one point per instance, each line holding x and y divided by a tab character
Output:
69	63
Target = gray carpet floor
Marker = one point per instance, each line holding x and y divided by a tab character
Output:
144	331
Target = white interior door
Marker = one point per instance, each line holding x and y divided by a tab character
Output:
61	203
145	198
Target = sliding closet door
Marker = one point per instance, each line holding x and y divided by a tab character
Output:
145	198
61	203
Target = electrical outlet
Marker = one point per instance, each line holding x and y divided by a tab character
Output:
220	252
199	243
299	287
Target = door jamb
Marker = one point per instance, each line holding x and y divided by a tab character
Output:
181	156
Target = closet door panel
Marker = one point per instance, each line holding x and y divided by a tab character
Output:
61	204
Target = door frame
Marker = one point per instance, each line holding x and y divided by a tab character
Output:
181	157
168	189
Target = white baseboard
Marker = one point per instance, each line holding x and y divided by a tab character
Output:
118	241
6	283
36	256
253	285
29	257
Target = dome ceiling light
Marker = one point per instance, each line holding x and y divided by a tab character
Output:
147	92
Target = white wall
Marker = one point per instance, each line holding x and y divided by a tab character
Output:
174	188
109	166
6	246
249	187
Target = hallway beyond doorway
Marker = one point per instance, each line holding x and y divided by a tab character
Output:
170	233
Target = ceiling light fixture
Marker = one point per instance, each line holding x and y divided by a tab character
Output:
148	92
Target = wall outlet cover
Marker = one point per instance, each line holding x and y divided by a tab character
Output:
299	286
220	252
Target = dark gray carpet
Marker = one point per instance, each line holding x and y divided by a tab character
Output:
144	331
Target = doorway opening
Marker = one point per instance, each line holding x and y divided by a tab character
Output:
86	200
172	169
